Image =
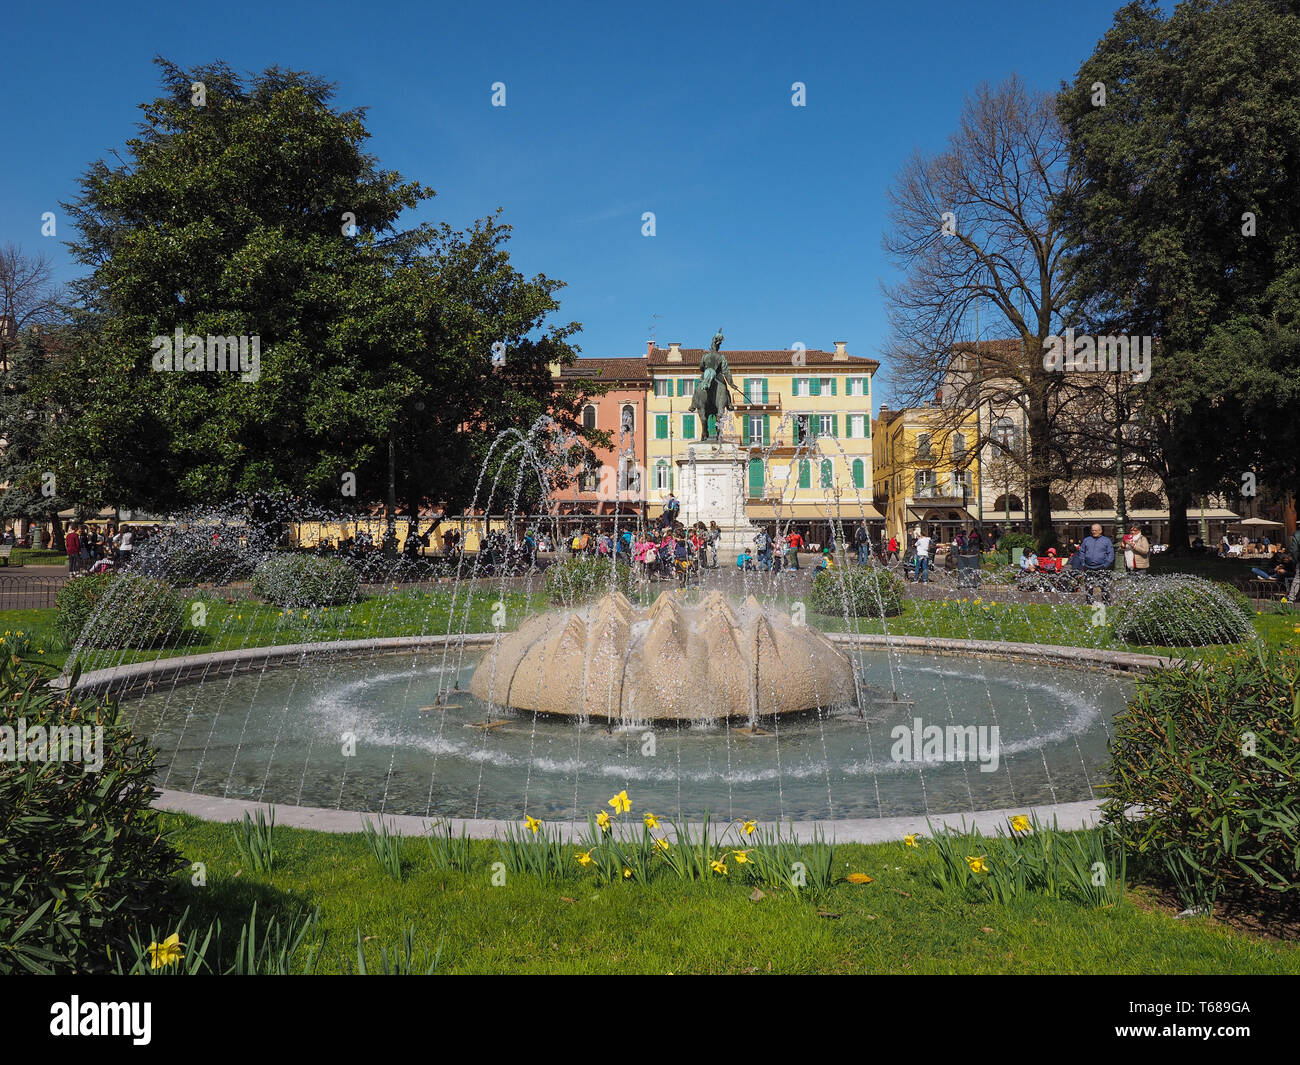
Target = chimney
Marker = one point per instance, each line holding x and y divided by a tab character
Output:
649	348
675	352
841	354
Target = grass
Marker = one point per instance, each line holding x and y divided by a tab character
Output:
243	623
899	923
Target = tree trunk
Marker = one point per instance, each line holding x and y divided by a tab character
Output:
1040	481
1179	501
56	529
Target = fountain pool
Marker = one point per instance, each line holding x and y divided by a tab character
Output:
368	734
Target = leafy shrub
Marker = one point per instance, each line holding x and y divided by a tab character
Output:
128	610
577	579
202	561
1177	611
82	859
35	556
298	580
1007	541
866	592
1204	774
1238	599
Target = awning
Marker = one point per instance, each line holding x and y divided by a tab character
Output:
848	511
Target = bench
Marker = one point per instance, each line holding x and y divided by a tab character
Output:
1260	589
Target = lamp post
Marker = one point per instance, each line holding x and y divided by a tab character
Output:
1121	508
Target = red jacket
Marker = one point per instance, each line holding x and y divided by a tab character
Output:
72	542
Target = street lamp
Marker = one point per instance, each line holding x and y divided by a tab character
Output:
1121	508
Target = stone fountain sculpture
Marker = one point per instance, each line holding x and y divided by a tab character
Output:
674	661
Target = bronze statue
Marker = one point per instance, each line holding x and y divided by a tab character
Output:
713	389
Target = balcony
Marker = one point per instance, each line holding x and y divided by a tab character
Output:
756	405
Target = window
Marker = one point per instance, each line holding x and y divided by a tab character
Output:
957	480
923	446
588	479
1004	432
1099	501
663	387
958	447
1144	501
589	417
827	386
805	473
856	386
828	473
685	386
663	474
859	474
825	425
661	427
755	389
925	482
688	426
756	478
858	426
800	387
756	429
627	418
800	428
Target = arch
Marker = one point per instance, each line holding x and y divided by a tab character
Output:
1059	502
1098	501
627	417
859	474
589	416
1000	504
1146	501
663	471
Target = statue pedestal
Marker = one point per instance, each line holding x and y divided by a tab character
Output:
712	479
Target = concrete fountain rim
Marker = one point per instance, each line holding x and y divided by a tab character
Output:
132	678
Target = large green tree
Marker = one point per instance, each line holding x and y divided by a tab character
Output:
1185	131
246	207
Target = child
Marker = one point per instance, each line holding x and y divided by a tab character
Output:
744	560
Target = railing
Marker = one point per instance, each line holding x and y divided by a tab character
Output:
772	402
29	593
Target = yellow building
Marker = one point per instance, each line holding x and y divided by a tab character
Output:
803	417
925	470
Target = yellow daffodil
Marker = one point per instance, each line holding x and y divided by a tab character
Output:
627	873
621	803
978	865
602	819
910	841
719	867
858	878
584	858
168	952
1020	823
532	823
651	821
662	844
749	827
742	857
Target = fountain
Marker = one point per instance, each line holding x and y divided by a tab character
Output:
676	661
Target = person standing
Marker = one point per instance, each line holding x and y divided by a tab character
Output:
862	539
1140	548
671	509
1097	553
793	545
763	544
72	544
923	547
713	539
125	544
892	556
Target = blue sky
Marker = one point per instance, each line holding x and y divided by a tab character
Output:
768	217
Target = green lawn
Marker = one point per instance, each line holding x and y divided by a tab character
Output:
899	923
241	623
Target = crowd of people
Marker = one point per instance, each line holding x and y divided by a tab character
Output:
100	549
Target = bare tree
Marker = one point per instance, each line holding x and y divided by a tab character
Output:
973	227
28	295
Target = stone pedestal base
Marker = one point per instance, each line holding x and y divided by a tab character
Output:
712	477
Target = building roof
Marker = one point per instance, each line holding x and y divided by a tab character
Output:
618	369
658	358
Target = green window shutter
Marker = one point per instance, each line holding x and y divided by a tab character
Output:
805	473
688	426
833	386
828	473
764	389
755	478
866	425
745	389
744	429
814	386
767	428
835	424
859	474
661	427
670	476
